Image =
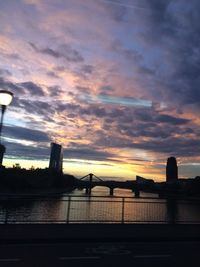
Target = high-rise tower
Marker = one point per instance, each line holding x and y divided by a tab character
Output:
2	151
171	170
56	158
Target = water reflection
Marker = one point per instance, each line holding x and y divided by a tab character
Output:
172	210
97	209
34	210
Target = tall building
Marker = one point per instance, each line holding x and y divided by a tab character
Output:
2	151
56	158
171	170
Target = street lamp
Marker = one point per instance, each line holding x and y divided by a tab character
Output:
5	99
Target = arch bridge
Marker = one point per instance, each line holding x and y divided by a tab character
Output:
90	180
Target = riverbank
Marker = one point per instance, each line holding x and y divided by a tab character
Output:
36	192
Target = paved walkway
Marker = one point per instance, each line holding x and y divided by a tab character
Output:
94	231
99	245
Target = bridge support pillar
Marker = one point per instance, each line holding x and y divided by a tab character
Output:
111	191
88	190
137	193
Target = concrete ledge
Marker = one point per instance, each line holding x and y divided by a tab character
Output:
105	232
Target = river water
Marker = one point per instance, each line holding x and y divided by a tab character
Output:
77	207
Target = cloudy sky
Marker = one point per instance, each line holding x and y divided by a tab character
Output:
117	83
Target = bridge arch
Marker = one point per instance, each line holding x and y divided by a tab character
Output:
102	188
91	181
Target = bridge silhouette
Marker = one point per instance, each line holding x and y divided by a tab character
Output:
90	181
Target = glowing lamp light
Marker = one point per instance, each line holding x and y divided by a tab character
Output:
5	97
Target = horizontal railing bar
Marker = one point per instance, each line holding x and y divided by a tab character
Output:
109	201
115	221
93	197
32	196
87	221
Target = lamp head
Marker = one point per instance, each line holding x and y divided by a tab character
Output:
5	97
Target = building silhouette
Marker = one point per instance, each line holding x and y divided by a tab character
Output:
56	158
171	170
2	151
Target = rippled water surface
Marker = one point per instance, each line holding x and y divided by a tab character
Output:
99	207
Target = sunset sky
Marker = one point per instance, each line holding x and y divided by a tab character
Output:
117	83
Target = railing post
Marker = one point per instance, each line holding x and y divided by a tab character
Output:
68	208
122	221
6	217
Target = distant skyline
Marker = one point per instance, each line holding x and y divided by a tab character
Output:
116	83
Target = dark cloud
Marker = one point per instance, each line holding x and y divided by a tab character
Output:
118	113
165	144
71	107
19	151
12	56
32	88
93	110
84	71
55	90
22	133
162	19
154	50
51	52
128	53
5	72
87	69
59	69
30	107
14	88
87	153
144	70
105	89
174	29
71	115
52	74
130	127
148	116
21	88
172	146
88	163
154	116
164	118
70	54
136	60
159	9
64	51
118	12
83	89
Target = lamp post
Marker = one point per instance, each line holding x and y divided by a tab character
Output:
5	99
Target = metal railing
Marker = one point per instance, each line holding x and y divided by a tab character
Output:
97	209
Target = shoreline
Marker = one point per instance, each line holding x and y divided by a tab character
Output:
40	192
60	192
